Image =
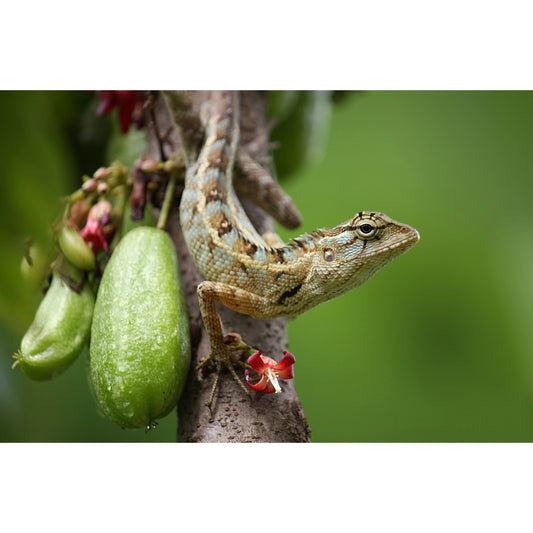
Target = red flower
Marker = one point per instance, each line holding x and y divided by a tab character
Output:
98	217
130	107
270	371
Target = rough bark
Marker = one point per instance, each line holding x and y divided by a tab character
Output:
234	417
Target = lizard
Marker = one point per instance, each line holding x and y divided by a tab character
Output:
259	275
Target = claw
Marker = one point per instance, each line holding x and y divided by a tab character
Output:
202	363
214	388
229	366
225	358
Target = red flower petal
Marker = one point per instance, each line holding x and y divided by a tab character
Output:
256	362
125	111
92	233
284	368
269	389
130	107
261	385
108	102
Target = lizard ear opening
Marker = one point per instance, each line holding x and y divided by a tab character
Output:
329	255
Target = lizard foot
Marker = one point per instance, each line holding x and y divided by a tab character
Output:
227	356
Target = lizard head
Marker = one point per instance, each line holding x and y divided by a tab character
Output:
351	253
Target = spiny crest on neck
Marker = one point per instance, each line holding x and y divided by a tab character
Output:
295	248
306	242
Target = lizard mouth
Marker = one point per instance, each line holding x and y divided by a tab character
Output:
409	241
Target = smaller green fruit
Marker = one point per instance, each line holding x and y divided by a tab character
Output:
58	332
35	273
76	250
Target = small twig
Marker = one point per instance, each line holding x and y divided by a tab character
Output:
167	202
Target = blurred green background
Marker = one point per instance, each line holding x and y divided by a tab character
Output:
437	347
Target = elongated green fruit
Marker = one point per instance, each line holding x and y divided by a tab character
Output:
58	332
140	346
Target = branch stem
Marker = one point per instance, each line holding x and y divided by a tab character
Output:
167	202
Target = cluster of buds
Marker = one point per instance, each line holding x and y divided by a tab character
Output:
90	225
105	179
147	174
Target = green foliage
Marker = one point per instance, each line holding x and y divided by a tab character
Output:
35	169
436	347
49	139
302	124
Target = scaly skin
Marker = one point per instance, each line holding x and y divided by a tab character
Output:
244	271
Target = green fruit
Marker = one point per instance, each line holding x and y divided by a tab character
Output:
76	250
59	331
140	346
34	274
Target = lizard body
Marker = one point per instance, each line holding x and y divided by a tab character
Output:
249	273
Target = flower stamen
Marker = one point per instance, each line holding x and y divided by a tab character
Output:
272	377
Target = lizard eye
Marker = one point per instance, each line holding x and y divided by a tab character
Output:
329	255
366	230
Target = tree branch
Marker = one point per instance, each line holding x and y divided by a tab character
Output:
234	417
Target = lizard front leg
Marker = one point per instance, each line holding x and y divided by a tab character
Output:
240	300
